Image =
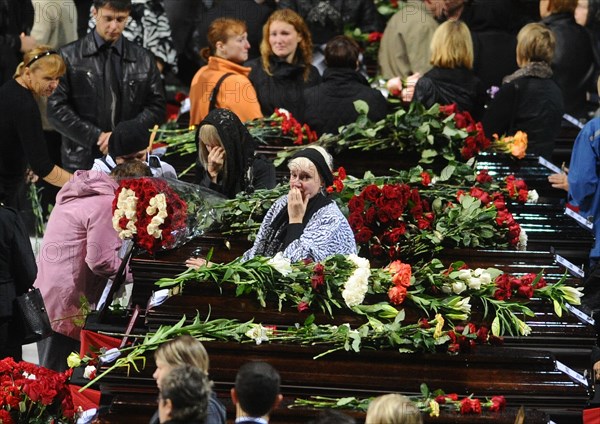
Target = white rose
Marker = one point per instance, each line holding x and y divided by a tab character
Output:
446	289
151	210
88	371
522	244
474	283
464	274
458	287
532	196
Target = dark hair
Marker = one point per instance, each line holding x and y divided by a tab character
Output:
119	5
330	416
342	52
189	390
257	387
131	169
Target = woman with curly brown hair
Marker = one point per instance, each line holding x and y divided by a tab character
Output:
284	69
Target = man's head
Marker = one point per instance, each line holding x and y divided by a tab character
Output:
184	395
111	17
256	389
128	141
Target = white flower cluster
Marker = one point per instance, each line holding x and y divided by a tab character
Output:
356	287
532	196
281	264
158	208
467	279
522	244
126	207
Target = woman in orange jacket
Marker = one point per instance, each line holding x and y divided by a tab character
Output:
223	82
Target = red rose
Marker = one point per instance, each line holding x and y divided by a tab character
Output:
425	178
375	37
363	235
371	215
448	109
371	192
484	177
423	224
376	250
317	281
423	323
302	306
482	334
525	291
498	403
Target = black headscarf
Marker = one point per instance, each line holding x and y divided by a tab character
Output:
277	237
239	149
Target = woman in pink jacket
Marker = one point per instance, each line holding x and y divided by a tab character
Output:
79	254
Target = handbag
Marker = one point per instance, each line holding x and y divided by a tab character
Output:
30	318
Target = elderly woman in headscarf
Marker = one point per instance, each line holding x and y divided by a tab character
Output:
305	223
227	160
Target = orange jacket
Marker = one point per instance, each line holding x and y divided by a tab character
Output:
236	93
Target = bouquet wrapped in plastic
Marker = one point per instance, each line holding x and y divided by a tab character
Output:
162	213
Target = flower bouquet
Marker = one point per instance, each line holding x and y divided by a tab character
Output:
429	402
162	213
440	131
33	394
281	128
516	145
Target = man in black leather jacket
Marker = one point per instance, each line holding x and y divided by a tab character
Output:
83	109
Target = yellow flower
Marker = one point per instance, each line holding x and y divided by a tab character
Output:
73	360
435	408
439	325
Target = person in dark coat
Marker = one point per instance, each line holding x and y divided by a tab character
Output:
331	103
529	100
16	21
284	69
573	63
109	79
451	80
494	45
256	392
227	162
17	272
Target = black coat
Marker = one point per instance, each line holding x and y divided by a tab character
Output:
16	16
327	18
447	86
284	88
529	104
76	109
573	63
331	103
17	262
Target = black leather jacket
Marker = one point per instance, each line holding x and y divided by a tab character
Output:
76	109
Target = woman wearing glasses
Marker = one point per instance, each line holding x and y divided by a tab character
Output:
22	144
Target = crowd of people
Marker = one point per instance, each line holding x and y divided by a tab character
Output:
84	82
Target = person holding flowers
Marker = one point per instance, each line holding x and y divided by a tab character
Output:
529	99
305	223
224	82
227	161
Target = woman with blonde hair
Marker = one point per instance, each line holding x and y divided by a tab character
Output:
393	409
223	82
451	80
22	144
184	350
529	99
284	69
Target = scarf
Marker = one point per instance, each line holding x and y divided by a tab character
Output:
532	69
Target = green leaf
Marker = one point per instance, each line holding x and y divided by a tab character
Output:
361	107
496	327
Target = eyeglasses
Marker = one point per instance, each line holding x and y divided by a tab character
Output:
39	56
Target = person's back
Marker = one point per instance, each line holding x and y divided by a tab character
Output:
256	392
16	19
404	47
573	63
331	103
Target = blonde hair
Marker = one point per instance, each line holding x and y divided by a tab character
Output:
393	409
183	350
48	61
305	45
221	29
451	46
535	43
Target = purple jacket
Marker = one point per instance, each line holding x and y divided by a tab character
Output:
79	249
